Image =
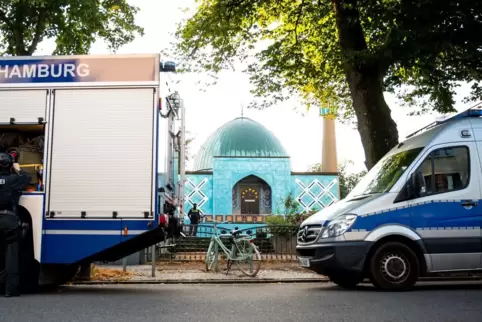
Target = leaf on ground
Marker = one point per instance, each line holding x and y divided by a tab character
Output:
107	274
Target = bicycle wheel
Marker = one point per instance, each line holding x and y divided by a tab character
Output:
247	254
210	256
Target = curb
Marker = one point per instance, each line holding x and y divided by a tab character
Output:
255	281
204	281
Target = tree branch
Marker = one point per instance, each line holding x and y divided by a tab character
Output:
349	27
386	51
18	30
298	18
3	16
39	30
351	35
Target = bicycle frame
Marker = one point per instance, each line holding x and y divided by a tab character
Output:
217	239
237	254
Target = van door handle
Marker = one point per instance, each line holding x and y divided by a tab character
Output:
468	203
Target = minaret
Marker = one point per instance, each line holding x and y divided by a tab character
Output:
329	161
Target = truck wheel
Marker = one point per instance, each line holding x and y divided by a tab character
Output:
394	266
53	275
346	280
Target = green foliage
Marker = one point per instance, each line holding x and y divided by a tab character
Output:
293	219
75	25
291	205
284	225
347	181
288	223
275	220
421	49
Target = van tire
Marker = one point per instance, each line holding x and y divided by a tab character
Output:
394	267
346	280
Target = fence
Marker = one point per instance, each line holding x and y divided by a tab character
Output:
275	242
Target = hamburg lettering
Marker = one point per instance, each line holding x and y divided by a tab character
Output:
44	71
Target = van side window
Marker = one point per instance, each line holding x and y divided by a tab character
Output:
446	169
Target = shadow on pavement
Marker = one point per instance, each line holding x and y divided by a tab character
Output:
97	289
420	287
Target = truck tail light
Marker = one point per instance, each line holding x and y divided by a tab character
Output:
163	220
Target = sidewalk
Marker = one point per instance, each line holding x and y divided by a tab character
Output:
195	273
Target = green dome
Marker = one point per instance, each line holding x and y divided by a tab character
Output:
241	137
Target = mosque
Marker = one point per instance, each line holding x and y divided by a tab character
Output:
242	173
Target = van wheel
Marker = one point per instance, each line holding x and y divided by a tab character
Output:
394	266
346	280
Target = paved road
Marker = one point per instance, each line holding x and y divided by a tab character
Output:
260	302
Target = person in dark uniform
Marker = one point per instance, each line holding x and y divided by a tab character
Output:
174	227
12	182
194	216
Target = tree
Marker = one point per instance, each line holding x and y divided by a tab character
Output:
289	205
75	25
347	181
343	53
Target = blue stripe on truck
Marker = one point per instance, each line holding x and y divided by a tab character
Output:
66	249
92	224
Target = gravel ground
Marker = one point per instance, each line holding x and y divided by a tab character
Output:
143	272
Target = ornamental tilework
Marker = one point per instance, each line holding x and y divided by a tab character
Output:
198	189
228	171
315	192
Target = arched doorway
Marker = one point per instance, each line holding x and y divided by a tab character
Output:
251	196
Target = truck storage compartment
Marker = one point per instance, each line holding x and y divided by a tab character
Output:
102	154
27	142
23	106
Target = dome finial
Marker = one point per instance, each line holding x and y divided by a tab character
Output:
242	110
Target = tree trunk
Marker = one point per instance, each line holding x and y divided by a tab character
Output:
24	33
377	129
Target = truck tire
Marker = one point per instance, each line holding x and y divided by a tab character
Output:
348	280
66	274
53	275
394	266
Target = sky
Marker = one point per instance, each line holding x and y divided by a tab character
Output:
299	130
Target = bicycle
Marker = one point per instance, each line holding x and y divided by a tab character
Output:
241	251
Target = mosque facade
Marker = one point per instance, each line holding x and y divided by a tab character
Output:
242	173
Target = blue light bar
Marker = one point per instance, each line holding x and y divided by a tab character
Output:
167	67
474	111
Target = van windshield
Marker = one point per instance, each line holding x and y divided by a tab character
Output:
385	173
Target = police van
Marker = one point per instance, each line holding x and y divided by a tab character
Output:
417	212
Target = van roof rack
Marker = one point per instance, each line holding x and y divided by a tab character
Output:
474	111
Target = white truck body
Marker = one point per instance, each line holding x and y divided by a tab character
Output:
100	117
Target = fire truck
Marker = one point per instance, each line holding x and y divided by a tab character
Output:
86	128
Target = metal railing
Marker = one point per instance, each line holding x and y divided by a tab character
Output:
275	242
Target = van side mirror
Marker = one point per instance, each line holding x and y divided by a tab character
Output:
417	184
